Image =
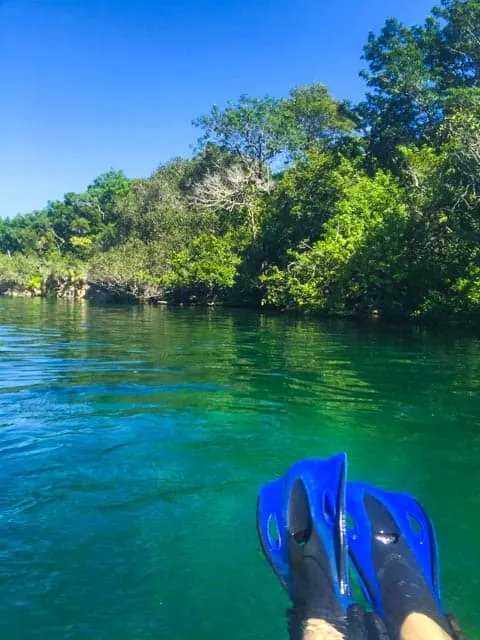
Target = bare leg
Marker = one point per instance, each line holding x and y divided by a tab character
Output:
317	629
419	627
416	627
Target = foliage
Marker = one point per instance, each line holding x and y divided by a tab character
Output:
80	220
158	209
345	271
72	226
263	131
235	189
315	119
127	271
33	274
30	233
412	72
303	200
206	269
253	128
402	105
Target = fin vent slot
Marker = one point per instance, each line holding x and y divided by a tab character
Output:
273	531
416	527
350	522
329	510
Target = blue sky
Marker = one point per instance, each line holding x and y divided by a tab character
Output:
88	85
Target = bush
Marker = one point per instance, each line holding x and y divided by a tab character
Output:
29	274
125	272
204	271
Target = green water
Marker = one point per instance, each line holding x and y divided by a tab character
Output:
133	441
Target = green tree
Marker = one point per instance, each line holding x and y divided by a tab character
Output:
252	129
299	206
31	233
357	263
444	231
411	74
314	120
81	220
205	270
158	209
403	102
453	44
128	271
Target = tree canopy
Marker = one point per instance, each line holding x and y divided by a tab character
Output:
303	201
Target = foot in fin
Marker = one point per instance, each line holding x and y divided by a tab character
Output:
393	548
301	525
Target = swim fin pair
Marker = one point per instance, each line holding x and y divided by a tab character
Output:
302	525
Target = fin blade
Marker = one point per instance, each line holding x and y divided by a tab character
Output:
325	483
417	531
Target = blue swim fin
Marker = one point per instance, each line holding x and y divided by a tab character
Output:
393	547
324	483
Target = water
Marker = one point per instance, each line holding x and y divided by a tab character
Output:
133	441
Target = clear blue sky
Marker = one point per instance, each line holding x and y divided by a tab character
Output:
88	85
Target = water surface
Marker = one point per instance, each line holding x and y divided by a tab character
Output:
133	441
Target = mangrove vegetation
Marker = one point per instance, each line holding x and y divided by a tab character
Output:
302	202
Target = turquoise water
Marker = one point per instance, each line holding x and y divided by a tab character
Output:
133	441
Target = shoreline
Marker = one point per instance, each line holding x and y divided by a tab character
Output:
93	294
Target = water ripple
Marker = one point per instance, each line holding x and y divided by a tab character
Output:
133	442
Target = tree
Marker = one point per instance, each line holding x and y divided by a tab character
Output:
81	220
411	74
403	104
127	272
235	188
357	264
462	129
252	130
313	119
266	130
158	209
205	269
104	194
254	135
31	233
251	136
303	200
453	43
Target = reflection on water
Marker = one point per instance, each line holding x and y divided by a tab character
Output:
133	441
